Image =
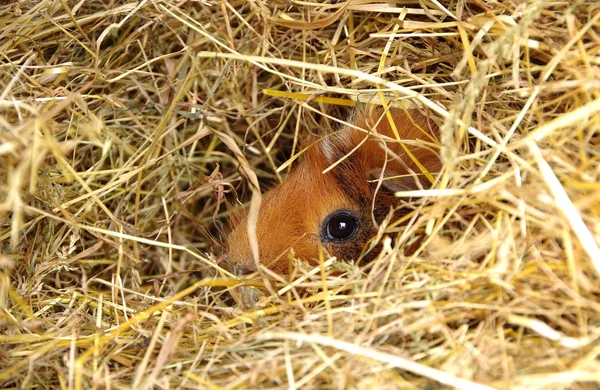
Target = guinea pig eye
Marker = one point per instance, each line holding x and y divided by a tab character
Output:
340	226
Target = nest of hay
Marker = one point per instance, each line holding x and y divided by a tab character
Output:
125	131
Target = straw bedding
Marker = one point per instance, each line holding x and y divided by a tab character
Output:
129	129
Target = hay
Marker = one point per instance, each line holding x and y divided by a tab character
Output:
118	128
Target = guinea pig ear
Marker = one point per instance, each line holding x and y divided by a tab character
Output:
413	162
392	181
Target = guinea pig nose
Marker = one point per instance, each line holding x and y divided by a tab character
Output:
241	270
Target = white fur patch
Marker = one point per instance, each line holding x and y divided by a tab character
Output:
330	146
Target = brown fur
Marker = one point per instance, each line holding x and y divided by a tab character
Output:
292	213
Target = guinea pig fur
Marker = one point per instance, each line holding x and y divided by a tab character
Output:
336	209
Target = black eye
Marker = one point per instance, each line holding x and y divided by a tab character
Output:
340	226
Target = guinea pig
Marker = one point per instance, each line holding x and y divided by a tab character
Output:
338	209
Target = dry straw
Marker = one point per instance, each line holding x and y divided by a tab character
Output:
128	129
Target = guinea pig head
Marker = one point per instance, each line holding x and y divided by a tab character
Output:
336	209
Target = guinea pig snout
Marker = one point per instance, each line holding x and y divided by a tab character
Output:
241	270
246	295
239	266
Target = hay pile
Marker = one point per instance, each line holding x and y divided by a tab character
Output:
118	130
